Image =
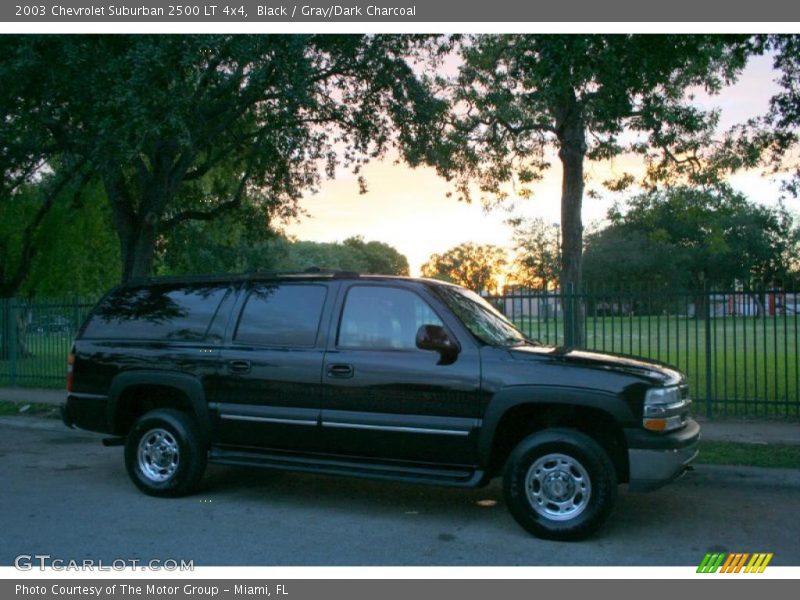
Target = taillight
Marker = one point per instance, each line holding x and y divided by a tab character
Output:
70	366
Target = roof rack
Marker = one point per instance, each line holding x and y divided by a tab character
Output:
221	277
334	273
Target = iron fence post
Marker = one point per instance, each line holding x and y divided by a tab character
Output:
12	340
76	315
568	306
707	316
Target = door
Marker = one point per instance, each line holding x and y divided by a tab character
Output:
267	394
383	397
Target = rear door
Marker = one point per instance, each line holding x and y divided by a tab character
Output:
267	393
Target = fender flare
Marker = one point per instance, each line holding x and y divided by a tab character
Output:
511	397
183	382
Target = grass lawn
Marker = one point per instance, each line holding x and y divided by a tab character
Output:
46	367
753	362
29	409
784	456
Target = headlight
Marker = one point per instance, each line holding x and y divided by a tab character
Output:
665	409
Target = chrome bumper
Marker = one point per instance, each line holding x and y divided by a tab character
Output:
650	469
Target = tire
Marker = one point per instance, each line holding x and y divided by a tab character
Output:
560	484
164	455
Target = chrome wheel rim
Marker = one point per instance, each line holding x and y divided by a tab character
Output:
158	455
558	487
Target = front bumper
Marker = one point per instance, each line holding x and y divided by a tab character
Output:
656	459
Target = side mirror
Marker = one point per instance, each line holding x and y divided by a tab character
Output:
435	337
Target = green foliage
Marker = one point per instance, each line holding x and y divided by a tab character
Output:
516	96
234	242
473	266
240	242
13	218
519	98
351	255
620	257
770	140
76	250
536	253
378	257
181	128
684	237
784	115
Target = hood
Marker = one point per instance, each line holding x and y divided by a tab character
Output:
654	372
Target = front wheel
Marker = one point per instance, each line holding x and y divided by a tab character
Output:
164	455
560	484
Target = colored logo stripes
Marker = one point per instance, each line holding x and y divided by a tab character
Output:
734	562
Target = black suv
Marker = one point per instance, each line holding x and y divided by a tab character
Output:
373	376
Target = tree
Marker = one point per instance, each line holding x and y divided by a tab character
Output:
181	128
784	114
379	258
537	253
24	207
67	249
77	252
473	266
690	238
351	255
519	97
620	256
237	241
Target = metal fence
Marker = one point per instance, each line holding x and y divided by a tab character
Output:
35	339
739	348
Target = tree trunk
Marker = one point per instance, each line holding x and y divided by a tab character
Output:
137	248
13	318
701	300
6	323
572	150
136	223
758	299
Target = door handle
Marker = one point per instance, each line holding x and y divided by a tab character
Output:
239	366
341	371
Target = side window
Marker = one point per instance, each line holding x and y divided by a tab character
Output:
281	315
383	318
158	312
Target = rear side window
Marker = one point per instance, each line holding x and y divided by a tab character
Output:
156	313
282	315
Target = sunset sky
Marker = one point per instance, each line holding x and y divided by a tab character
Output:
408	208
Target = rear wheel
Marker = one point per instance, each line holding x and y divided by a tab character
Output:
560	484
164	455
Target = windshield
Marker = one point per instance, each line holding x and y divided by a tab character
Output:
483	320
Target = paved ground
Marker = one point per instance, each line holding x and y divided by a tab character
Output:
64	494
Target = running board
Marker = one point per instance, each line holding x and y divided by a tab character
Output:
438	475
